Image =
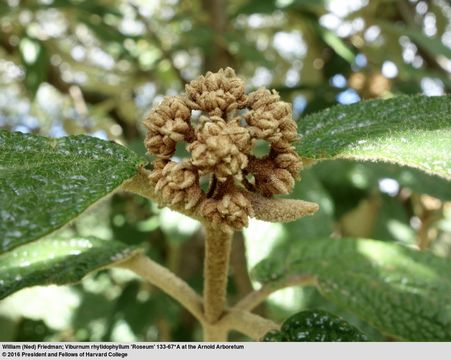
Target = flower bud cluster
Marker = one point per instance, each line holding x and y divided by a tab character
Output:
221	147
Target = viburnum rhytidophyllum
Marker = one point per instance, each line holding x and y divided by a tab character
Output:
220	143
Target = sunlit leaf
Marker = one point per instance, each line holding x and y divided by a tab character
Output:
408	130
402	292
56	261
47	182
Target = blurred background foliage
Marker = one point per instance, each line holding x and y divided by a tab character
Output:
96	67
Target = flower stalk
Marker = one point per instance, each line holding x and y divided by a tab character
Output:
218	244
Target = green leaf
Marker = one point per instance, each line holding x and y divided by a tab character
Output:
57	261
35	61
366	176
315	325
336	44
45	182
408	130
401	292
433	45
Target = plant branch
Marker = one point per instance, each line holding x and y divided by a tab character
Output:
166	281
218	243
255	298
214	332
247	323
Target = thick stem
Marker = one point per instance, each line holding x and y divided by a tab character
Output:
214	333
218	242
166	281
248	324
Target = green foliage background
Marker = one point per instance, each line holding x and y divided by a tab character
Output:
71	67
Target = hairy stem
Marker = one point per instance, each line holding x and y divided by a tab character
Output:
255	298
166	281
214	333
218	242
247	323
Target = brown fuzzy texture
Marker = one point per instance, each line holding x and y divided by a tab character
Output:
167	124
216	93
218	244
178	184
220	147
231	210
276	173
281	210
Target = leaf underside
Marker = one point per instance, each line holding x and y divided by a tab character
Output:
413	131
46	182
402	292
57	261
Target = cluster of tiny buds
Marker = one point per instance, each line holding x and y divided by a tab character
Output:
220	143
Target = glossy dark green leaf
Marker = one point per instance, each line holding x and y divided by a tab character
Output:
316	326
57	261
274	336
402	292
46	182
414	131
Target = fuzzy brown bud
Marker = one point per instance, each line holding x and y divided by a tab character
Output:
221	148
276	173
178	184
216	93
290	161
271	119
233	210
167	124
